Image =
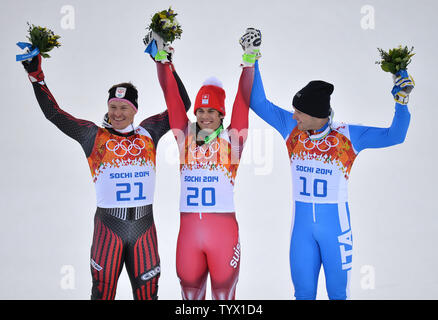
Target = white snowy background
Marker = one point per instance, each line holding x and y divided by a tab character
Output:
47	195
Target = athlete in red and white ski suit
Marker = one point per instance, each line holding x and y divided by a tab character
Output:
208	240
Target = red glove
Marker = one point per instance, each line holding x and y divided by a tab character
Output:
33	68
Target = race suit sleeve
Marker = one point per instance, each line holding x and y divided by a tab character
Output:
82	131
238	128
176	97
363	137
173	90
277	117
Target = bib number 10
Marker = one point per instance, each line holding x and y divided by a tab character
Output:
319	188
207	196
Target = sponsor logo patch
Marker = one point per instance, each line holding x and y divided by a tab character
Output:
120	92
205	99
95	265
151	273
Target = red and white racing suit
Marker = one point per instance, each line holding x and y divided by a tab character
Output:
208	240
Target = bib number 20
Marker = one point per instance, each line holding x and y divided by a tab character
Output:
207	196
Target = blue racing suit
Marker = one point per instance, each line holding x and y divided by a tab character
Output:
321	231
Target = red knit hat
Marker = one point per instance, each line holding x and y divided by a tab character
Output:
211	95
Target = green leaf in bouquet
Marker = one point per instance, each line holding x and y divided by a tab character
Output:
395	59
388	67
42	38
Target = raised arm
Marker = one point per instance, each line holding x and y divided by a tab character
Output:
239	116
82	131
177	99
177	103
238	128
363	137
174	93
277	117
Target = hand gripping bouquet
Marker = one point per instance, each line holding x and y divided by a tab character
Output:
396	62
163	30
41	40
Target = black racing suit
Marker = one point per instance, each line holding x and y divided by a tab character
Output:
123	170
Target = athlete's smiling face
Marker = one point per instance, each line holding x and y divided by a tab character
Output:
306	122
208	118
121	114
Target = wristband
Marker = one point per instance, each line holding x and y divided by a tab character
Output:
29	54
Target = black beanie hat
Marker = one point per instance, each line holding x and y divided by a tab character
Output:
314	99
124	91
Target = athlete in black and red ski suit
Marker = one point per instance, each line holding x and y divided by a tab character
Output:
123	170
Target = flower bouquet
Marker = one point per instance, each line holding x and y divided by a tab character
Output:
165	25
395	59
42	40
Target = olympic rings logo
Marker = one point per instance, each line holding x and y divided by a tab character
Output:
125	146
212	148
329	143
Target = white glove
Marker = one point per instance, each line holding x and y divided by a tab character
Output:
160	50
403	85
250	42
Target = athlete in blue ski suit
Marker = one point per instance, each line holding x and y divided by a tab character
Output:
321	162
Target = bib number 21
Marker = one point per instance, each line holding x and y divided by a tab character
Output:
127	193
